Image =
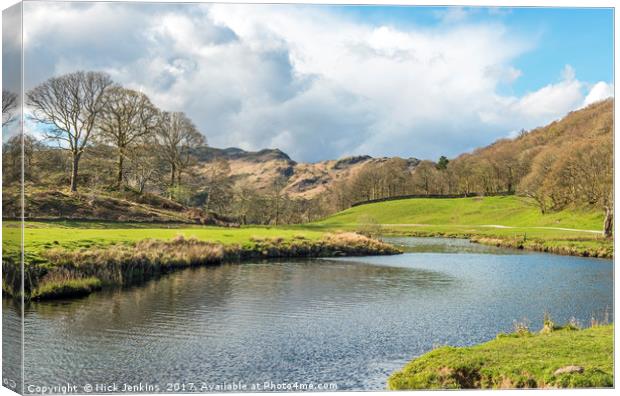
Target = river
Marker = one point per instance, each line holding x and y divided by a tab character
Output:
348	321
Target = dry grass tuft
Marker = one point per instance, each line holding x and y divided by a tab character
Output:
81	271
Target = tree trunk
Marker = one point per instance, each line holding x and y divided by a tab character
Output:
277	210
119	179
208	200
178	179
609	222
172	175
74	171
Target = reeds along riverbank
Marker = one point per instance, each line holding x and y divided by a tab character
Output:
567	248
71	273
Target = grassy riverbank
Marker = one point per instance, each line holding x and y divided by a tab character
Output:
508	221
503	221
517	361
74	259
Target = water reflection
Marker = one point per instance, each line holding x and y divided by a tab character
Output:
446	245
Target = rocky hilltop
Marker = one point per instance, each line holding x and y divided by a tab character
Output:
260	169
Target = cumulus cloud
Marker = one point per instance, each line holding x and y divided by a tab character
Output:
311	82
538	107
600	91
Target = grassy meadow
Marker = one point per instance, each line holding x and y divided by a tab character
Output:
76	235
509	210
524	360
509	221
70	259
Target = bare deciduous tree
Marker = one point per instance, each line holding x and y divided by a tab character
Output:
144	166
277	197
69	105
219	186
127	117
9	104
177	135
424	176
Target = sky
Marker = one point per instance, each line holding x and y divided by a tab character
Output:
324	82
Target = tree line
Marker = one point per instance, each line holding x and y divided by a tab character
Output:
78	109
96	135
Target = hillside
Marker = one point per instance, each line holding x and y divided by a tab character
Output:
262	168
589	123
506	221
127	206
547	162
500	166
507	211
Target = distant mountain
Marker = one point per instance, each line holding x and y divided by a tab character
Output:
505	165
260	169
208	154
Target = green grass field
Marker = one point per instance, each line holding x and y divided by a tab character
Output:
66	260
41	238
510	220
506	211
513	220
513	361
75	235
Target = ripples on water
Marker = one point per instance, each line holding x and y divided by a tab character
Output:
349	321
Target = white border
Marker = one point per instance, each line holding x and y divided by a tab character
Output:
475	3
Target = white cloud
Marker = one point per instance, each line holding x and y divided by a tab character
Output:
541	106
601	90
312	83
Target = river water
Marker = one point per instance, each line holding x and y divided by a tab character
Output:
347	322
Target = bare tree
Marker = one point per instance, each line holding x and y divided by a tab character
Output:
9	104
219	186
177	135
278	198
424	176
69	105
534	185
127	117
144	166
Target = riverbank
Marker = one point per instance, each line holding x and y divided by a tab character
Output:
509	221
567	243
562	358
545	241
69	270
570	247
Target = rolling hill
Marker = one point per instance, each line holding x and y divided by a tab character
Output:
506	221
502	211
